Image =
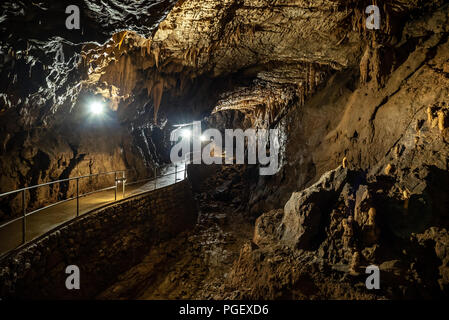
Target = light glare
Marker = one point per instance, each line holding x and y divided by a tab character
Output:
186	133
96	107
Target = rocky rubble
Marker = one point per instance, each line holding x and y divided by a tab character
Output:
196	263
319	244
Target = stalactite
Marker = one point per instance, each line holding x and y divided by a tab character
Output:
190	56
387	24
235	36
311	79
123	38
184	80
364	66
149	85
371	67
300	93
157	92
186	54
148	46
376	68
193	57
156	55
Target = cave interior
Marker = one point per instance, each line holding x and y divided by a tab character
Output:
361	116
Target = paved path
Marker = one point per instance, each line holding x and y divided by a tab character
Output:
47	219
169	177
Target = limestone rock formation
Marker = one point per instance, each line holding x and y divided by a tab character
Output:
363	122
304	211
294	256
46	132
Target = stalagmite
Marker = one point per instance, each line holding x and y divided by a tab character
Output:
389	169
355	264
345	162
443	119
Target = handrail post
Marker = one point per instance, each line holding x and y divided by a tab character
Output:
115	190
123	183
77	197
176	172
24	217
155	178
68	181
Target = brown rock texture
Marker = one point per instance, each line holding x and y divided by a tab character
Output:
363	118
282	261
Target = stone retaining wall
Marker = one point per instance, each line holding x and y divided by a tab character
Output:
103	244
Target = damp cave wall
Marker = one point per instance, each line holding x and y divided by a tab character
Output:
74	148
401	124
46	132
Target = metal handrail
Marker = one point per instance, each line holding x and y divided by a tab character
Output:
59	181
118	180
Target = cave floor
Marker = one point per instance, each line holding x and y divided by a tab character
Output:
192	266
195	264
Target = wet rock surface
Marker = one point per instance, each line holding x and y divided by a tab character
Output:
394	126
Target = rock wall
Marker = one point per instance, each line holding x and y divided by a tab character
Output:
394	125
385	204
74	149
103	244
262	58
46	131
320	243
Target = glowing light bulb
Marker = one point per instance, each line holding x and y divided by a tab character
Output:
96	107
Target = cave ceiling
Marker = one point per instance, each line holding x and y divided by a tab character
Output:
189	57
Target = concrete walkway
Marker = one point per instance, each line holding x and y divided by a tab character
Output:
168	177
47	219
